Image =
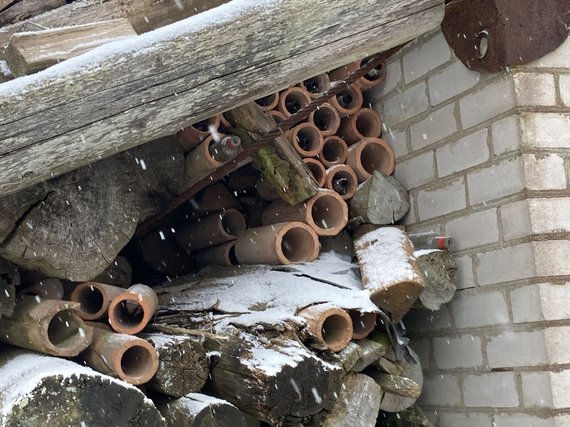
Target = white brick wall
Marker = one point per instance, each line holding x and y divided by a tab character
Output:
402	106
550	259
506	264
506	135
544	172
496	390
488	102
536	388
474	310
457	352
435	127
451	81
441	390
520	420
474	230
397	140
545	130
535	89
463	420
442	200
415	171
560	389
517	349
465	277
429	55
565	89
496	181
460	155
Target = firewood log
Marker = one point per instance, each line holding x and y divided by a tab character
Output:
9	279
183	366
119	273
200	410
438	270
38	388
26	9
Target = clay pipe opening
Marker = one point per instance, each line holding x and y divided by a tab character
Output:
95	299
316	85
365	123
194	134
46	288
317	170
268	102
218	255
374	77
334	151
326	119
292	100
348	101
130	311
330	326
369	155
362	323
307	139
343	180
282	243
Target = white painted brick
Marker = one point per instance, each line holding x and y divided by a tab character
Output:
560	382
496	390
465	278
457	352
535	89
536	389
441	390
522	420
422	347
404	105
473	230
558	344
415	171
496	181
457	156
545	130
410	218
559	58
465	420
506	264
451	81
397	140
551	257
475	310
393	79
544	172
550	215
515	220
506	135
562	420
443	200
427	56
526	306
418	321
511	349
493	99
554	300
438	125
564	85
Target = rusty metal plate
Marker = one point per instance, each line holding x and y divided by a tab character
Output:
491	35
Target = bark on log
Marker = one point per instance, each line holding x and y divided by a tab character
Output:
399	386
200	410
281	167
175	90
183	364
119	273
357	405
439	271
31	52
38	388
395	289
369	352
295	388
380	200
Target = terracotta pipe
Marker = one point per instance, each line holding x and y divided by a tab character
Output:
326	212
365	123
362	323
334	151
225	124
278	116
48	326
95	299
200	163
326	118
316	85
369	155
329	325
292	100
126	357
210	231
191	136
265	190
317	170
348	101
130	311
283	243
269	102
45	289
376	76
307	139
224	254
343	180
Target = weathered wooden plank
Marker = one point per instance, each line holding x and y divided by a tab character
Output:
25	9
109	100
34	51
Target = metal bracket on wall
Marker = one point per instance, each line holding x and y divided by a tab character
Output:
491	35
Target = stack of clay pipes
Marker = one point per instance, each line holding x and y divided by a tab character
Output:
341	145
93	322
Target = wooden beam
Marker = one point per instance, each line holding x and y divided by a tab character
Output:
125	94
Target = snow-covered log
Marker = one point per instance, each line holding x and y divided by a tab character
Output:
39	390
216	60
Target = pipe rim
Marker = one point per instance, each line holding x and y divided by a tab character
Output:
145	356
232	222
316	85
339	150
130	312
327	203
369	155
317	169
312	133
293	95
362	323
356	101
367	123
348	173
268	102
328	118
89	295
286	239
